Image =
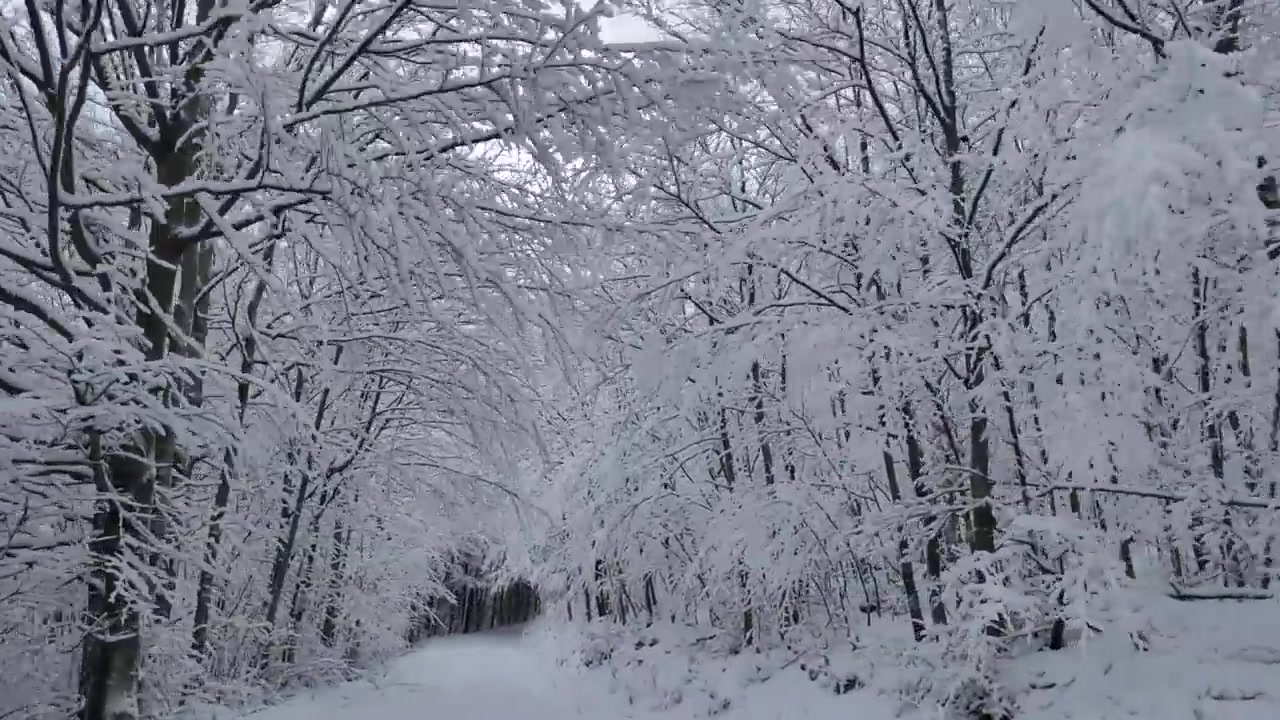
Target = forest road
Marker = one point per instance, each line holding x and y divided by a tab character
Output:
514	674
501	675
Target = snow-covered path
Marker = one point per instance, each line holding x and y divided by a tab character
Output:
514	676
493	676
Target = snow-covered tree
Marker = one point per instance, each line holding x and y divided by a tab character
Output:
958	309
269	304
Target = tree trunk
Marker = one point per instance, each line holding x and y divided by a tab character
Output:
213	542
110	662
341	539
112	648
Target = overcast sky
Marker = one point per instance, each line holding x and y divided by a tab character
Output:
627	28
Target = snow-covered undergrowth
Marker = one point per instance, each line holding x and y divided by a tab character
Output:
1172	660
668	666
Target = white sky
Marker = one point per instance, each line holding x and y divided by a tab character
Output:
624	28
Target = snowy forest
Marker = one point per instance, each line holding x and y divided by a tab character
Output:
777	319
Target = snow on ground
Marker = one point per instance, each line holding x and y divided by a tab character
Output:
517	676
1203	660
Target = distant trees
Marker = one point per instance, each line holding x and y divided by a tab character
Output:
476	601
